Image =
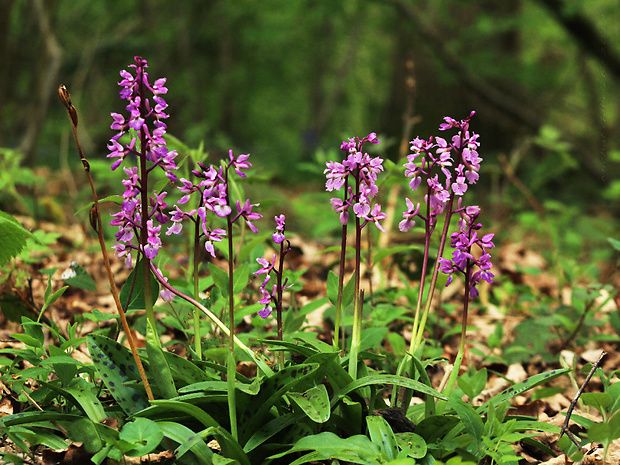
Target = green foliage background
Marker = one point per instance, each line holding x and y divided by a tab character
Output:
284	79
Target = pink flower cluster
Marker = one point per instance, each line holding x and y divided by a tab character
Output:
364	169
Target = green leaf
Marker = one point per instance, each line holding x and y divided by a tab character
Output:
599	400
271	428
77	276
379	379
386	252
314	402
272	390
523	386
13	308
85	431
185	407
327	445
27	339
371	338
614	243
115	366
468	415
414	442
332	287
180	433
133	299
89	403
142	433
381	433
13	237
160	371
220	278
39	436
240	278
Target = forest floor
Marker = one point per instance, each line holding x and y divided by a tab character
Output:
77	243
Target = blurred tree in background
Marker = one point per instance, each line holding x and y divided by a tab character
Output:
283	79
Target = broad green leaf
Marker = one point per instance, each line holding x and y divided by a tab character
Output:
371	338
28	340
240	278
379	379
144	434
160	371
184	369
185	407
314	402
469	417
39	436
386	252
220	278
416	444
13	237
328	445
85	431
89	403
272	390
13	308
270	429
381	433
112	363
599	400
523	386
132	293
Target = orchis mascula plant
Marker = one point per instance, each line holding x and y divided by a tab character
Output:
447	169
142	214
140	211
363	169
275	295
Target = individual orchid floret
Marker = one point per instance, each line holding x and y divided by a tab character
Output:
215	235
239	163
279	236
246	212
165	294
408	221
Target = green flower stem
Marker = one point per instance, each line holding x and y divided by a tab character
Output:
279	302
151	331
343	256
231	367
249	352
461	353
196	260
406	365
357	306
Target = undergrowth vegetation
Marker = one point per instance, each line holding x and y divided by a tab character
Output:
248	376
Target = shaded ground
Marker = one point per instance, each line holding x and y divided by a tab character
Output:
505	311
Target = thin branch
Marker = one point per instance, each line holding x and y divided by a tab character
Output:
572	405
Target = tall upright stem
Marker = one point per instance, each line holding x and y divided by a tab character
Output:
97	224
144	216
231	370
458	361
196	265
279	274
343	257
357	311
